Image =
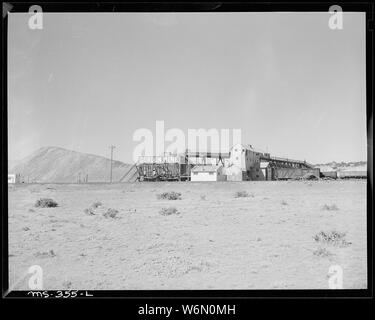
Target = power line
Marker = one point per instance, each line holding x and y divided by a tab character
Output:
111	147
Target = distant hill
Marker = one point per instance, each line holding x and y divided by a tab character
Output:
342	166
59	165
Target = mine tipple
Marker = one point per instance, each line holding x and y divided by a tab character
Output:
241	163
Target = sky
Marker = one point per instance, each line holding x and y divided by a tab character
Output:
294	87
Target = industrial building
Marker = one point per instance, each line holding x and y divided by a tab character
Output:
241	163
244	164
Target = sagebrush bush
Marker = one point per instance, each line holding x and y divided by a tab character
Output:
46	203
45	254
168	211
110	213
242	194
335	238
89	211
322	252
96	204
169	196
331	207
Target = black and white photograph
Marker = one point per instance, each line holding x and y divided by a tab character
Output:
211	150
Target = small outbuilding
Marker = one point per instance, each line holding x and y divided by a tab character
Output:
14	178
207	173
11	178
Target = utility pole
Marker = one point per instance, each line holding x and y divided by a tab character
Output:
111	147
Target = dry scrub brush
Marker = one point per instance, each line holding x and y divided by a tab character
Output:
46	203
331	207
243	194
333	238
168	211
169	196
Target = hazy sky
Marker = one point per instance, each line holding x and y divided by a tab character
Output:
86	81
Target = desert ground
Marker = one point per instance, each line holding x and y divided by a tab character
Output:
215	240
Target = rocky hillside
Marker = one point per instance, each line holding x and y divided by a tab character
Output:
58	165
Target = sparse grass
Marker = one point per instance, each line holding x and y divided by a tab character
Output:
96	204
168	211
67	284
46	203
331	207
203	197
169	196
322	252
110	213
89	211
243	194
50	253
334	238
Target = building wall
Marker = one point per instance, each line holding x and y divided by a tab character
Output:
221	177
203	176
256	174
234	173
330	174
237	176
249	162
237	157
203	161
294	173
